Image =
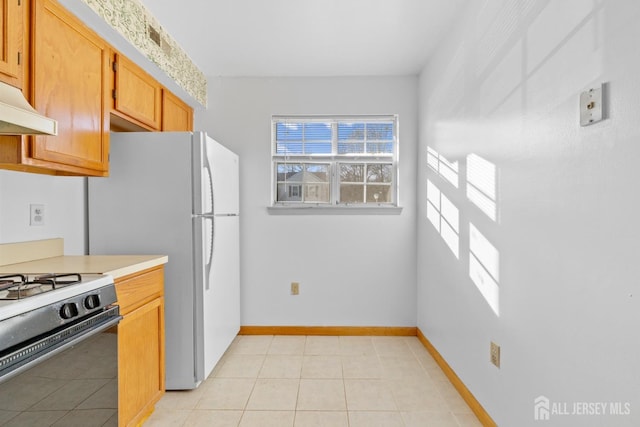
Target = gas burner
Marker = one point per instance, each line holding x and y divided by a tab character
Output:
18	286
58	279
24	291
11	280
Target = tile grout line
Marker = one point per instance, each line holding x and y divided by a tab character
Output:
295	409
344	384
255	381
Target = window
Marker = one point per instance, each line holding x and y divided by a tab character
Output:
334	161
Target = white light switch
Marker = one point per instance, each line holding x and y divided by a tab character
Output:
591	106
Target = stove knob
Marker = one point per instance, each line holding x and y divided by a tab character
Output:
92	301
69	310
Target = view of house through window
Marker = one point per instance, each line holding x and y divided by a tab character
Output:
303	182
335	160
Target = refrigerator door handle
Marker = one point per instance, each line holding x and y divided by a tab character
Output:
206	165
207	282
208	190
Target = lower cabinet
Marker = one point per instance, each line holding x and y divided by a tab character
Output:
141	374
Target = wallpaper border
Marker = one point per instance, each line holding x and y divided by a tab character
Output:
133	21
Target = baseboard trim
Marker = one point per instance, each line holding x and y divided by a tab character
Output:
466	395
329	330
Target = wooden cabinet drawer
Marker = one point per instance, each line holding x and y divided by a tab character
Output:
137	289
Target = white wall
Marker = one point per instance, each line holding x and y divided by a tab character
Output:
505	85
353	269
65	212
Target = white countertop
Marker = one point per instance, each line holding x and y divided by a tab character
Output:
115	265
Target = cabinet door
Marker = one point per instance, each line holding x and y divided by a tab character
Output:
11	41
70	77
140	362
176	115
137	95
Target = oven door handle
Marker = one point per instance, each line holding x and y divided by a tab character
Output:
30	356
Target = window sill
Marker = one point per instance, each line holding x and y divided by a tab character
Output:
334	210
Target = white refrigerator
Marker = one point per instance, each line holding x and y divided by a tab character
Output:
176	193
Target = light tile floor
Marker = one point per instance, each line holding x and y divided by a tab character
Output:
329	381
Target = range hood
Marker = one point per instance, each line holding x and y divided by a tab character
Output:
17	117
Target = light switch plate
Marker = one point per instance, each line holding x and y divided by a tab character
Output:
591	106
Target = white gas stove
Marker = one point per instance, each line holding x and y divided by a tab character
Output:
41	314
21	293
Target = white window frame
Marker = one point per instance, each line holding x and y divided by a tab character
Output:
334	160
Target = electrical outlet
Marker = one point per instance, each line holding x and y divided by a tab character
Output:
295	288
495	354
36	216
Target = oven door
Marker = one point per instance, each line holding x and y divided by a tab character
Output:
71	382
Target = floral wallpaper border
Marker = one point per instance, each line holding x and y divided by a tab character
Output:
131	19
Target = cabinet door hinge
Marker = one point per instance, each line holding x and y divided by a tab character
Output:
113	94
114	66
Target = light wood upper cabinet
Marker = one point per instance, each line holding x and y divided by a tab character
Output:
137	97
12	19
176	115
70	77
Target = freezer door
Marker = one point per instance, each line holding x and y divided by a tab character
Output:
224	172
215	177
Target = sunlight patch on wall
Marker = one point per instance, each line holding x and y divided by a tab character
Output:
481	185
484	267
444	216
446	169
433	205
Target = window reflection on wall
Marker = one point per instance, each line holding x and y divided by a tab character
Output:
446	169
484	267
481	184
444	216
481	191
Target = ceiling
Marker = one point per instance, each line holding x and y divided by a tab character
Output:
306	37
